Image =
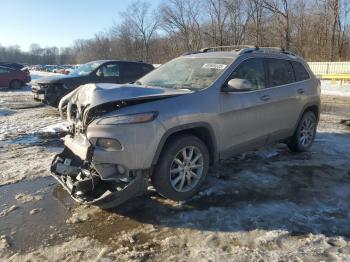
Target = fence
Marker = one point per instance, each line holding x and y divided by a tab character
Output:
323	68
335	71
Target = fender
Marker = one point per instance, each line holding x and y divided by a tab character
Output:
185	127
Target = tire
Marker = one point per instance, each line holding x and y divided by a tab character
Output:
305	133
193	174
15	84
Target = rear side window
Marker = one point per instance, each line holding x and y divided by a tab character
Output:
132	70
252	70
4	71
280	72
300	72
146	68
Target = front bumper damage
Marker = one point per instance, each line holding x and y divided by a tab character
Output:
79	177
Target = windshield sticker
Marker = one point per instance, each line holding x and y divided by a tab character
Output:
214	66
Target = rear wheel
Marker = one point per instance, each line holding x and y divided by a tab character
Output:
16	84
305	134
181	168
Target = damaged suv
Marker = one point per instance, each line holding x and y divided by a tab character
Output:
172	124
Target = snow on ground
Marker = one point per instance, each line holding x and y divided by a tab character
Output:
327	88
268	205
26	129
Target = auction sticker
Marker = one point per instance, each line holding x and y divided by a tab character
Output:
214	66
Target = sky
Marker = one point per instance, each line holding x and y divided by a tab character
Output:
57	22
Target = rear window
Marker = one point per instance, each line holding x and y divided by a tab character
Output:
280	72
300	72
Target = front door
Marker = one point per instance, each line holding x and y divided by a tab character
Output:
245	114
108	73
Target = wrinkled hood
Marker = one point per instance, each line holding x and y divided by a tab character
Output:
92	95
55	79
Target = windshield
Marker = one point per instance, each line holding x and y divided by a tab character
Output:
86	69
187	73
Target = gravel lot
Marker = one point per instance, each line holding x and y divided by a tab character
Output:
269	205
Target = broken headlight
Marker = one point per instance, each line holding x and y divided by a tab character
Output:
128	119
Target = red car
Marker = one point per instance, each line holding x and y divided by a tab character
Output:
13	78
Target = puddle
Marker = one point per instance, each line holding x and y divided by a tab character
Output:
6	112
27	231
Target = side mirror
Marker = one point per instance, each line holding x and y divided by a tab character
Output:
238	85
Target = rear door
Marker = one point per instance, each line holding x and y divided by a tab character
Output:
284	105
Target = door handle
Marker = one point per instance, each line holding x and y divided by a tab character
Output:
265	98
301	91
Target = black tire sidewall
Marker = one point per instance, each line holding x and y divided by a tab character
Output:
161	175
15	84
299	146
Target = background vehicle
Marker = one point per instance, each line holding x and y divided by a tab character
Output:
16	66
182	117
13	78
50	90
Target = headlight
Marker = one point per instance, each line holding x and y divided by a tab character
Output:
108	143
128	119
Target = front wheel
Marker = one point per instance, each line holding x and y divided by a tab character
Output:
305	134
15	84
182	168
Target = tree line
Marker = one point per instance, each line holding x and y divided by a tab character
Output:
318	30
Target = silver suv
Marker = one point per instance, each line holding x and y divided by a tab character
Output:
172	124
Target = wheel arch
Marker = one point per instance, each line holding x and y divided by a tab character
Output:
15	79
201	130
313	107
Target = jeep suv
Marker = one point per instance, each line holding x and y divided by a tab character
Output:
176	121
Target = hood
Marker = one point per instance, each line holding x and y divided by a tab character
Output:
92	95
55	79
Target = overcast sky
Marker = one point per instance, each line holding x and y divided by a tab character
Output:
57	22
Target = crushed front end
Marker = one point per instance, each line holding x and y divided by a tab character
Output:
83	173
113	139
76	172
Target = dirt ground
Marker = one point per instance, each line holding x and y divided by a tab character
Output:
268	205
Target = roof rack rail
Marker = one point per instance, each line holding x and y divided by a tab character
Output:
226	48
268	49
242	49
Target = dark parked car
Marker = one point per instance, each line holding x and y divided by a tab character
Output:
12	65
13	78
16	66
50	90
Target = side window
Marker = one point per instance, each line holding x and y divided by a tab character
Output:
132	70
280	72
300	72
4	71
146	69
252	70
110	70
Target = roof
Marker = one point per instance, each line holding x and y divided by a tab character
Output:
272	52
106	61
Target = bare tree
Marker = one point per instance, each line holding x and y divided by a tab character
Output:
281	8
182	19
143	23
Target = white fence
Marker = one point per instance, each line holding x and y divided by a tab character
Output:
321	68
